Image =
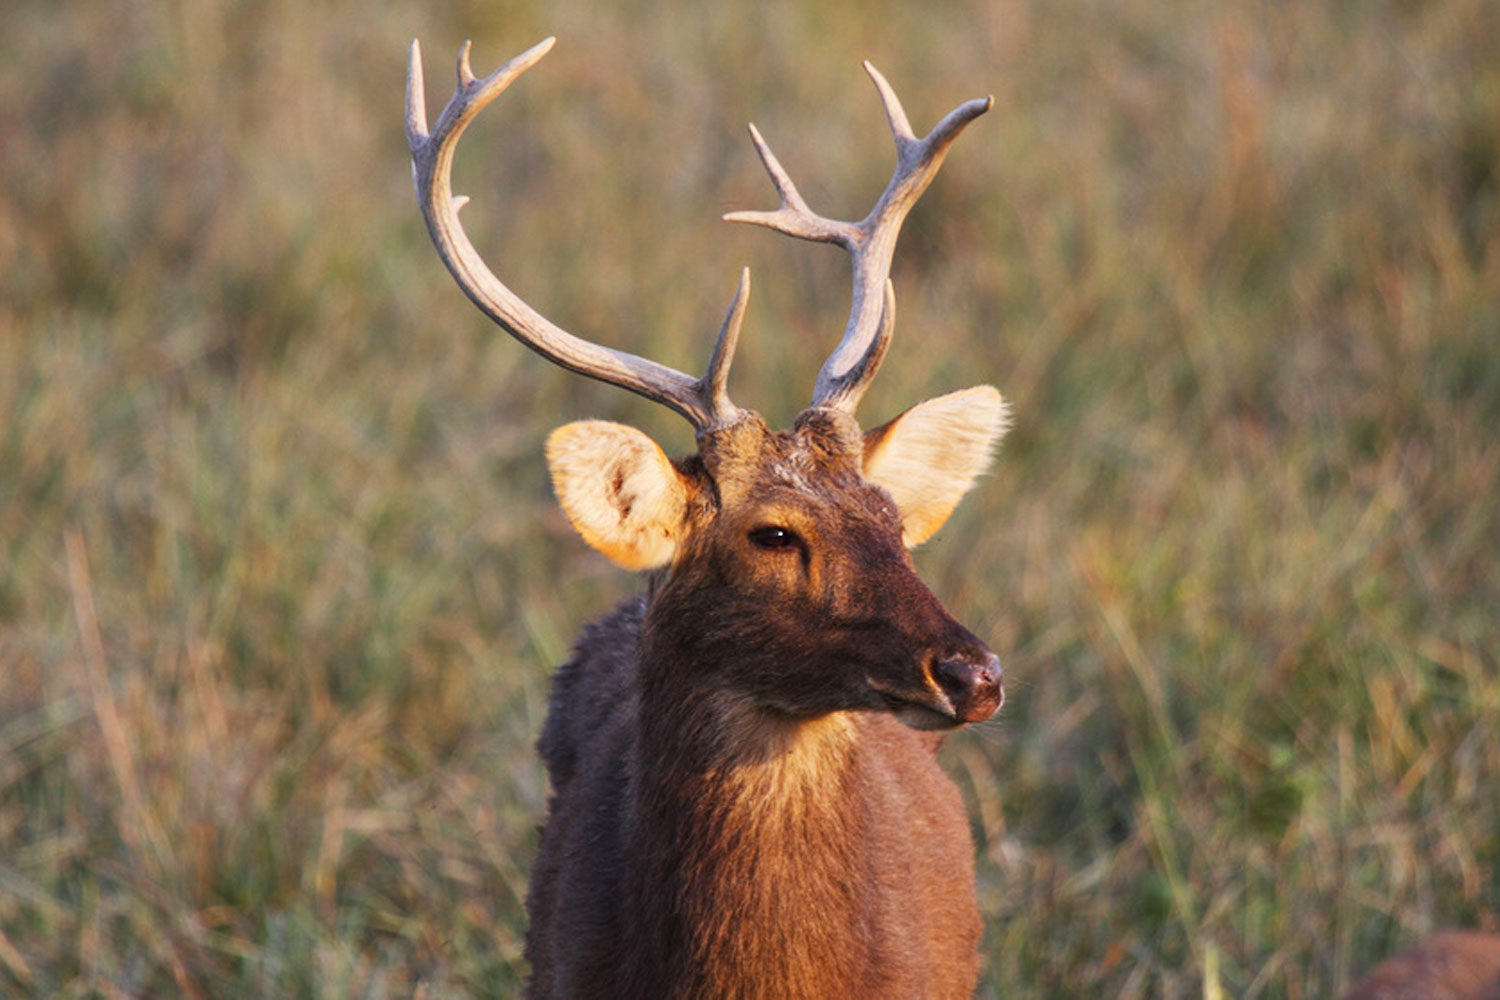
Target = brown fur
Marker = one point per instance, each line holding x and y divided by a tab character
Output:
737	811
1453	965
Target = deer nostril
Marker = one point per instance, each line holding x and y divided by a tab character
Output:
972	684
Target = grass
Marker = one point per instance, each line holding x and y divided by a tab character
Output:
282	580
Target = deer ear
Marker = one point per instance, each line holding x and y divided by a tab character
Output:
619	490
928	457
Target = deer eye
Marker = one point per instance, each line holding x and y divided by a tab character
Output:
773	538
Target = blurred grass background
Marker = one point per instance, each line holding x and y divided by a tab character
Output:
282	580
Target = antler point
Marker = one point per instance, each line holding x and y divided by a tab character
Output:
416	97
465	71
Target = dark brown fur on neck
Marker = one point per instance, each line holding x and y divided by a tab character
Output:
735	867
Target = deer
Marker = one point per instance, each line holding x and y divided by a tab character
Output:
1449	965
746	800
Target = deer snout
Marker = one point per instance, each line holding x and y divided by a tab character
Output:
971	683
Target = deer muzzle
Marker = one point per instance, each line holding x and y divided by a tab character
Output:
971	683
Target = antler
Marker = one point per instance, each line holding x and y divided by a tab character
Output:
871	243
703	401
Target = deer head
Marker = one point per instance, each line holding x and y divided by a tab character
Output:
786	582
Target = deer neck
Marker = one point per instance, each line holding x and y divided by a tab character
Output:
752	820
744	774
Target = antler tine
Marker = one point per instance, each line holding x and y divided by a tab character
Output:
794	217
871	243
704	402
714	384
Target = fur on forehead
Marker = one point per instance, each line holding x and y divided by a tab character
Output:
740	457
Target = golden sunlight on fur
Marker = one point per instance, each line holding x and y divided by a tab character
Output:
929	456
1452	965
618	490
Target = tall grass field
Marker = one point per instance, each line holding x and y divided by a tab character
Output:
281	577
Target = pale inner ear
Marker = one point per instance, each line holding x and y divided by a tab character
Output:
619	490
929	456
